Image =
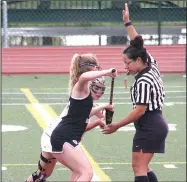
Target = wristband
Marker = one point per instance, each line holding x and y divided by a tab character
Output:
128	24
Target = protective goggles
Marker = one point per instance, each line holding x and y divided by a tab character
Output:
97	89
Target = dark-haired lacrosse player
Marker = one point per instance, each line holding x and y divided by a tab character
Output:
60	141
147	95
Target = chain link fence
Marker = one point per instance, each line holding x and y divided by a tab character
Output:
90	22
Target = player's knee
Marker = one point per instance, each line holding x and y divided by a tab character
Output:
42	174
90	173
138	167
87	171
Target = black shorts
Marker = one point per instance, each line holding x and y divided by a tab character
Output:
151	132
58	142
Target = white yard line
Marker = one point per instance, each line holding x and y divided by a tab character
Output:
170	166
64	103
65	88
60	98
65	93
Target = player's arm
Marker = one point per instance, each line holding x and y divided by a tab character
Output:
95	123
99	114
92	75
97	109
82	83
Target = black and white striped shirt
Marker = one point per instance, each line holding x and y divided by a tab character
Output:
148	87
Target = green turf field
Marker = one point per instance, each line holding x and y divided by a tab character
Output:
31	101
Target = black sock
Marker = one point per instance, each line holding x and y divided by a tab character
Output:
141	179
152	177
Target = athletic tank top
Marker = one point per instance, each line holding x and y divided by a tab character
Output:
73	120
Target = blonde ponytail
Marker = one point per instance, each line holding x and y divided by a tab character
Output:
76	69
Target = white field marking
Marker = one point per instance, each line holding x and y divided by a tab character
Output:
171	166
172	127
173	103
64	93
103	98
107	167
64	103
62	169
124	103
65	88
184	76
6	128
169	104
66	169
95	178
12	93
101	163
3	168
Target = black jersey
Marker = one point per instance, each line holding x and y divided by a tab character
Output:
75	119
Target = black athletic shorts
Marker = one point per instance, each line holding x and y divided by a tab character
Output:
58	142
151	132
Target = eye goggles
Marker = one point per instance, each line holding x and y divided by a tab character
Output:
97	89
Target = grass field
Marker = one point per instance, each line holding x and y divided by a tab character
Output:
31	101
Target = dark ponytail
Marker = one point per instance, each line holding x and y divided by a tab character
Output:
136	49
137	42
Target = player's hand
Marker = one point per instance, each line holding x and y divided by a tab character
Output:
102	123
110	128
112	73
125	14
109	107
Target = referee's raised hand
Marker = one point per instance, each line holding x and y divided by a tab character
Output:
125	14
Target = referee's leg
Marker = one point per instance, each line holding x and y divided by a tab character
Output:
140	165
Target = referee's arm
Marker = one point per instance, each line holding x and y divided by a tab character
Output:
130	28
144	90
133	33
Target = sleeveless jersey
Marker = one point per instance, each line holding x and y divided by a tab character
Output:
73	120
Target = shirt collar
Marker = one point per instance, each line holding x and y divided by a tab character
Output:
145	70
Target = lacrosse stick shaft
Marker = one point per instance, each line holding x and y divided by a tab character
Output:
111	91
112	88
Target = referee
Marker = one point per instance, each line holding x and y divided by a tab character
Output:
147	95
